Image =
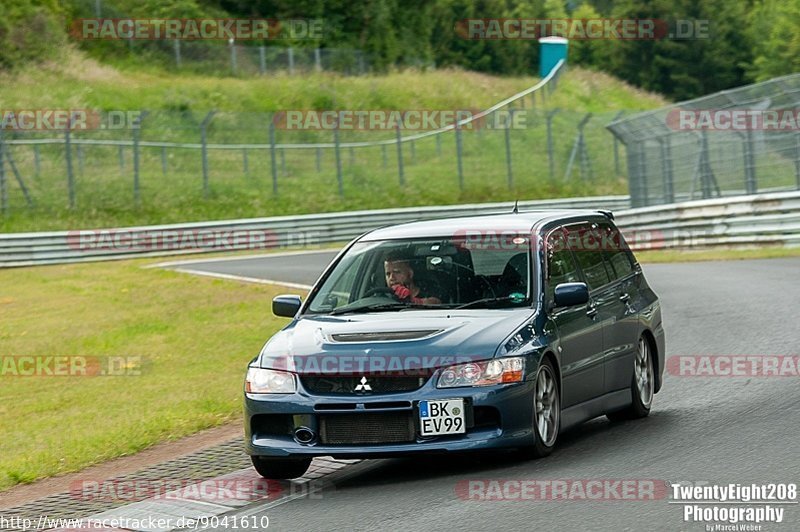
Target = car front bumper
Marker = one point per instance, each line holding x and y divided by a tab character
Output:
497	417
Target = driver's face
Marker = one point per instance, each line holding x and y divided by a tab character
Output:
398	273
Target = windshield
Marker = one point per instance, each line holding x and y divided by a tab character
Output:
428	273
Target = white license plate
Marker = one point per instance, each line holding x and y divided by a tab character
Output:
446	416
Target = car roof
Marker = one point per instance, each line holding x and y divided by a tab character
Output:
521	222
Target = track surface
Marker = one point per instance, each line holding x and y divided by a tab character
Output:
719	430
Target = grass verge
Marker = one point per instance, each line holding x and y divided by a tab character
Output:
195	337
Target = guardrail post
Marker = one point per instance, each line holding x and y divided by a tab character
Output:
262	60
458	156
273	155
338	159
550	157
68	159
137	131
3	185
507	133
400	155
204	149
616	144
37	162
666	169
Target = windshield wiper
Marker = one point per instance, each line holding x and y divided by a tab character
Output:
491	300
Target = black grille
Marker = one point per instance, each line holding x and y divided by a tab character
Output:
348	384
373	427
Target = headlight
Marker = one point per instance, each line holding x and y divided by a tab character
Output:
498	371
260	380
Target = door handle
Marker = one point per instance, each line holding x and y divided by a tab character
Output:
625	297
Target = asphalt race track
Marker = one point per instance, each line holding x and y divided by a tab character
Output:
718	430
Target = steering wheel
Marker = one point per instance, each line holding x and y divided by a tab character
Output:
382	290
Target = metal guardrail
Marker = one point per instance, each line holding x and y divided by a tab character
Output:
758	220
30	249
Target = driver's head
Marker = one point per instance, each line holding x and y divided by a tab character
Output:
397	269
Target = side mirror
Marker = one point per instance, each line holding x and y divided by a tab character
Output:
571	294
286	305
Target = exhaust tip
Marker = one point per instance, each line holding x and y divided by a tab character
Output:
304	435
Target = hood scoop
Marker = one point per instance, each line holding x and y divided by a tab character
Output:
384	336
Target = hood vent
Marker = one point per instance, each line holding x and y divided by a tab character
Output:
384	336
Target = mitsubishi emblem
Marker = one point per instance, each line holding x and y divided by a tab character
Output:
363	387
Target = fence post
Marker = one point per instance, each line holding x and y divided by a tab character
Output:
20	182
232	44
273	155
262	60
352	152
634	172
98	8
204	149
37	163
797	159
177	46
338	159
3	186
439	144
507	133
317	60
616	144
400	155
319	159
458	156
164	160
137	129
666	169
383	156
550	158
290	51
68	159
750	183
245	163
79	151
121	160
413	152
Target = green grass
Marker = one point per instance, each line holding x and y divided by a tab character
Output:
104	190
195	337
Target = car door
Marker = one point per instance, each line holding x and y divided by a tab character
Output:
621	327
578	328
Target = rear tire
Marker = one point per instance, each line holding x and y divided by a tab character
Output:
642	385
280	468
546	410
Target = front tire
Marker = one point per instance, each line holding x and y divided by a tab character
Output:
546	410
642	385
280	468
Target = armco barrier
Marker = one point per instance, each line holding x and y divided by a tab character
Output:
759	220
29	249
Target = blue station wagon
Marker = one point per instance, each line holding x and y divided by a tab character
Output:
460	334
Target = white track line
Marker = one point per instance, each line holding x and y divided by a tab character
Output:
242	278
242	257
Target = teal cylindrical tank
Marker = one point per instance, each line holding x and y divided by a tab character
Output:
551	51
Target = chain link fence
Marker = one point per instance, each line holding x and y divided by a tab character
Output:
739	141
164	160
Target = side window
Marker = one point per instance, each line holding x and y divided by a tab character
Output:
561	266
615	250
585	241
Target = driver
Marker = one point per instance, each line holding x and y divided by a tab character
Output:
400	279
